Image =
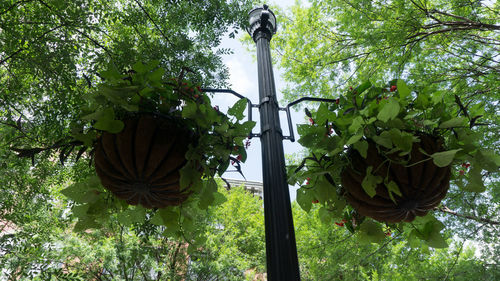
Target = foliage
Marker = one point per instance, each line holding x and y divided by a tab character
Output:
235	239
331	252
392	118
234	246
144	91
67	62
331	44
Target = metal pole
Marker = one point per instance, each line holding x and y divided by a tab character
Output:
281	251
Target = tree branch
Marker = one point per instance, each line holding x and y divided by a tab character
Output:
23	49
154	23
14	5
446	210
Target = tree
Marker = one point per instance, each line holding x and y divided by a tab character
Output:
52	55
328	251
53	52
447	47
235	247
333	44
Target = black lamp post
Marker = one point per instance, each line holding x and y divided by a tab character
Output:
281	251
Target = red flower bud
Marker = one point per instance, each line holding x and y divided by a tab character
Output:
216	107
393	88
307	180
337	101
341	224
462	172
388	233
311	120
196	96
239	157
315	201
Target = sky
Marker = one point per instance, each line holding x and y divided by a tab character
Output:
242	66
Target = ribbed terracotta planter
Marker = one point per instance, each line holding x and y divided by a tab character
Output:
141	163
423	185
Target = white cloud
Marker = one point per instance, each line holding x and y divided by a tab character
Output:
239	76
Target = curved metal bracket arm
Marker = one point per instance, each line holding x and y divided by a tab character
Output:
249	103
291	137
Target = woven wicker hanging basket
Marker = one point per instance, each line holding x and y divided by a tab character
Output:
422	185
141	163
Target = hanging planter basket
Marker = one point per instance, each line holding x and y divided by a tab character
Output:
141	163
421	183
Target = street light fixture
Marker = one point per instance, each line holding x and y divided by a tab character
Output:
262	19
281	250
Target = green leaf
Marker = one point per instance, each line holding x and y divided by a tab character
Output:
389	111
454	122
190	110
361	88
322	114
85	223
432	230
443	159
81	192
384	139
188	176
325	216
238	109
156	75
207	194
403	89
370	182
304	198
106	122
219	198
324	191
488	160
170	218
157	219
393	187
436	240
86	138
131	216
111	73
112	126
371	232
80	211
402	140
357	124
354	139
475	180
139	67
361	147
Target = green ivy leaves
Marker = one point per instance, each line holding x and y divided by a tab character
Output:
370	182
237	109
443	159
392	120
389	111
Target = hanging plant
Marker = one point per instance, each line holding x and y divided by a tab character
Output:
389	153
157	144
